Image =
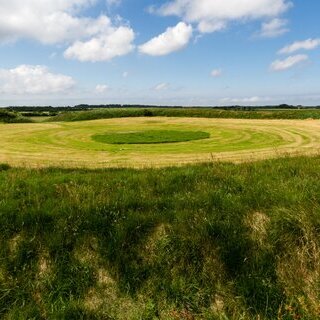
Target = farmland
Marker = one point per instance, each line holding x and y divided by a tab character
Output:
73	144
159	217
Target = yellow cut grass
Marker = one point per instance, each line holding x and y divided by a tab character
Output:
70	144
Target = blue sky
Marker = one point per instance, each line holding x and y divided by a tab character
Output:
175	52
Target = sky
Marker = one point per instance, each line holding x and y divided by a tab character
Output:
170	52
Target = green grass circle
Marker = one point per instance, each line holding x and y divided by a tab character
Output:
150	137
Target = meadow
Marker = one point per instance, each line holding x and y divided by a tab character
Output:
210	241
160	216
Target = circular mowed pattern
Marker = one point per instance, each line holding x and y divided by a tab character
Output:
150	137
158	141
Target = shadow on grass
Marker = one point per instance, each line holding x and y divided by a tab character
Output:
207	242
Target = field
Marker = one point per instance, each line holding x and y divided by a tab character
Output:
214	241
105	215
75	144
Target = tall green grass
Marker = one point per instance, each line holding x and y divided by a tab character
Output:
186	112
214	241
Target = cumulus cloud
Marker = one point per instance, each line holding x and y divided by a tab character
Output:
63	22
216	73
211	15
173	39
308	44
48	21
281	65
274	28
27	79
117	42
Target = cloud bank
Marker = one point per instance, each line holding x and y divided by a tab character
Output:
35	80
64	22
215	15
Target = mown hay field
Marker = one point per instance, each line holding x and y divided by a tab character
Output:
72	144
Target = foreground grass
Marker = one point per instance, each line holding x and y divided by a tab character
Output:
186	112
216	241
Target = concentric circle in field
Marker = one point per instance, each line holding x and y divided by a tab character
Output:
71	144
150	137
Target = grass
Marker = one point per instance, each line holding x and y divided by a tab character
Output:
186	112
150	137
70	144
211	241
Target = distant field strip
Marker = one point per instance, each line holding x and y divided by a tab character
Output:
71	144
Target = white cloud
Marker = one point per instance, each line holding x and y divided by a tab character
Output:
211	26
125	74
212	15
274	28
247	100
48	21
216	73
27	79
173	39
308	44
117	42
161	86
101	88
280	65
64	22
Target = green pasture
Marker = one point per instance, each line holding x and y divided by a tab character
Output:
150	137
